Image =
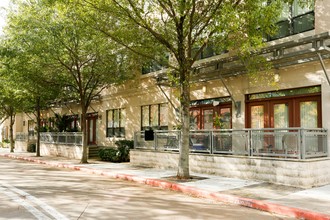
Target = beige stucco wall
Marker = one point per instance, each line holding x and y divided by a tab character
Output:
322	16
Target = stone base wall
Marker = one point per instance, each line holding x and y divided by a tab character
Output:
21	146
298	173
69	151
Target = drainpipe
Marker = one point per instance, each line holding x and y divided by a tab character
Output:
169	100
236	104
323	67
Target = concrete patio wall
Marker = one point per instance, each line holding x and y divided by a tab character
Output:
21	146
298	173
58	150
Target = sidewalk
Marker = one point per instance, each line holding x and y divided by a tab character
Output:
285	200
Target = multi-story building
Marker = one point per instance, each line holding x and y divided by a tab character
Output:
286	120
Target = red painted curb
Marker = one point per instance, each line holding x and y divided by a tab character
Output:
159	183
250	203
138	179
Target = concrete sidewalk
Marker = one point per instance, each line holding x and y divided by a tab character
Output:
284	200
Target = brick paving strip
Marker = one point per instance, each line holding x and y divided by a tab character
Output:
192	191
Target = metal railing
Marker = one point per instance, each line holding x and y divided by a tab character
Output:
21	136
67	138
298	143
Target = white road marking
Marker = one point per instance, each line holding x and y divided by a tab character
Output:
24	203
17	195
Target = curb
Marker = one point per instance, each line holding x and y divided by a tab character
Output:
192	191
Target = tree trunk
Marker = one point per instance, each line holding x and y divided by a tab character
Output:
38	128
183	169
11	131
84	158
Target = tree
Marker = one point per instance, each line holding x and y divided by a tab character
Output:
26	86
184	28
75	56
10	103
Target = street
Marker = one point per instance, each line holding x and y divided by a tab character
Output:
32	191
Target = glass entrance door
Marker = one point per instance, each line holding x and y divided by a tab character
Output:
257	116
211	117
91	128
308	114
207	119
280	114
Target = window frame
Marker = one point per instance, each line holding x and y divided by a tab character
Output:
113	130
288	22
149	116
31	128
200	109
293	102
75	124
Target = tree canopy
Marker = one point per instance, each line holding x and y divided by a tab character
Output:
56	46
183	29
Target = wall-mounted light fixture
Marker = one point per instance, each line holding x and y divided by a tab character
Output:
277	77
204	89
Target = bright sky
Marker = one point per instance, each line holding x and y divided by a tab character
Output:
3	3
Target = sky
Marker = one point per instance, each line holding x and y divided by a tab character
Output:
3	3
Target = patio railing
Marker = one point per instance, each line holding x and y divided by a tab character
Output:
298	143
21	136
67	138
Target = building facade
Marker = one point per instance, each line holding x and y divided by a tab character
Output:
223	97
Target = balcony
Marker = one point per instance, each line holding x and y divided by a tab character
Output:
293	143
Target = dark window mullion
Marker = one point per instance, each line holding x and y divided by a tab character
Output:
113	120
158	115
149	109
141	118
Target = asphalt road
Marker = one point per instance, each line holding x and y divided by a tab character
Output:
32	191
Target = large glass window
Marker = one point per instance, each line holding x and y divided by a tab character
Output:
194	119
154	116
31	128
116	122
281	115
295	18
225	118
210	114
208	51
294	109
208	118
159	63
257	116
74	125
151	67
308	114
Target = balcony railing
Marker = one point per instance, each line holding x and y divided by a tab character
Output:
297	143
67	138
